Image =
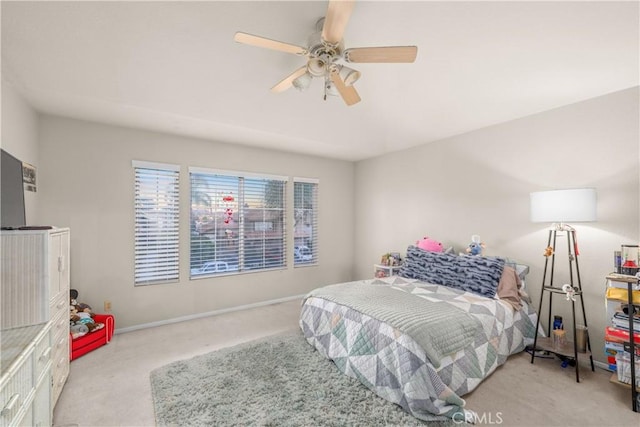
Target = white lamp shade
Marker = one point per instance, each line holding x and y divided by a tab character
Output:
578	205
348	75
302	82
316	67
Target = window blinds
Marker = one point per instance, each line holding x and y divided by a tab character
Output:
237	222
156	223
305	207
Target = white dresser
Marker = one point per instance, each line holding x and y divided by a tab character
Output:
35	292
25	381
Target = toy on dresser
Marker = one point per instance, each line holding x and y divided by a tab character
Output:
81	317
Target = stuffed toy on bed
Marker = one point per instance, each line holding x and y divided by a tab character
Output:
476	246
428	244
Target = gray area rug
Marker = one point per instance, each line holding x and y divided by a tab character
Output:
276	381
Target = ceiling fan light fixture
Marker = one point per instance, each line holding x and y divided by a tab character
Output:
316	67
325	48
348	75
302	83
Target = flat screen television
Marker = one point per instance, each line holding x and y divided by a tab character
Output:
11	192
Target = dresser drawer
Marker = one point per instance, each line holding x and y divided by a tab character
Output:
15	392
60	344
60	371
60	353
60	368
58	303
42	353
60	324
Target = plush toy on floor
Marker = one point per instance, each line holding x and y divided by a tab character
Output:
76	328
476	246
74	300
81	317
429	244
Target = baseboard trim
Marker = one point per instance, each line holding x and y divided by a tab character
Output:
206	314
602	365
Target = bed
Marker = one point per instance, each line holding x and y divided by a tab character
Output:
427	337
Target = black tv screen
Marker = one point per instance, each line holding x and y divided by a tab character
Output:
11	192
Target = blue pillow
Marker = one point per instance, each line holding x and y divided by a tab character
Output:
477	274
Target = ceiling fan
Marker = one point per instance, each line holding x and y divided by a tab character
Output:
324	51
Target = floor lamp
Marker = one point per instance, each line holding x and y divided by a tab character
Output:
560	207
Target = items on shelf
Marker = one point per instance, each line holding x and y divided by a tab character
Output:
559	338
627	260
391	259
623	363
390	264
622	339
381	271
557	322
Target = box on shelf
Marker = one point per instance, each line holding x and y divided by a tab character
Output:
622	281
620	335
619	294
623	365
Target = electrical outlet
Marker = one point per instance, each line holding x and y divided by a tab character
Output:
107	306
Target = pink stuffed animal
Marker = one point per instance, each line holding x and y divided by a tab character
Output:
430	245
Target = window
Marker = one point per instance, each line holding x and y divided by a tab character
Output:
237	222
305	229
156	223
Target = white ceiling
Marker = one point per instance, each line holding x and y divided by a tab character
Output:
174	67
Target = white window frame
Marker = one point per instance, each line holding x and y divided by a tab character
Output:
237	262
157	223
303	236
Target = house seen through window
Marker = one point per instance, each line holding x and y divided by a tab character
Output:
157	213
305	228
237	222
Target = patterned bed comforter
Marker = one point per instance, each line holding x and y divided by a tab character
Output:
424	369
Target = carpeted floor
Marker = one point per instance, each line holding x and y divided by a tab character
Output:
276	381
112	383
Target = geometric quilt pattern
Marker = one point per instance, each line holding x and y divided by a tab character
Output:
394	366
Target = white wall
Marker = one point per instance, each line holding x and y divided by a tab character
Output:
87	184
479	183
20	139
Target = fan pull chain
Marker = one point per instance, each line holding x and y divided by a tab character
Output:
326	87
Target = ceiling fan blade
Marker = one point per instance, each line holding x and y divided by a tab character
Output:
348	93
335	22
287	82
381	54
258	41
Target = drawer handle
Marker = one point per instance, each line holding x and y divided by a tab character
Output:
9	406
45	354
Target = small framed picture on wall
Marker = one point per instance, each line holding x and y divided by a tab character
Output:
29	177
